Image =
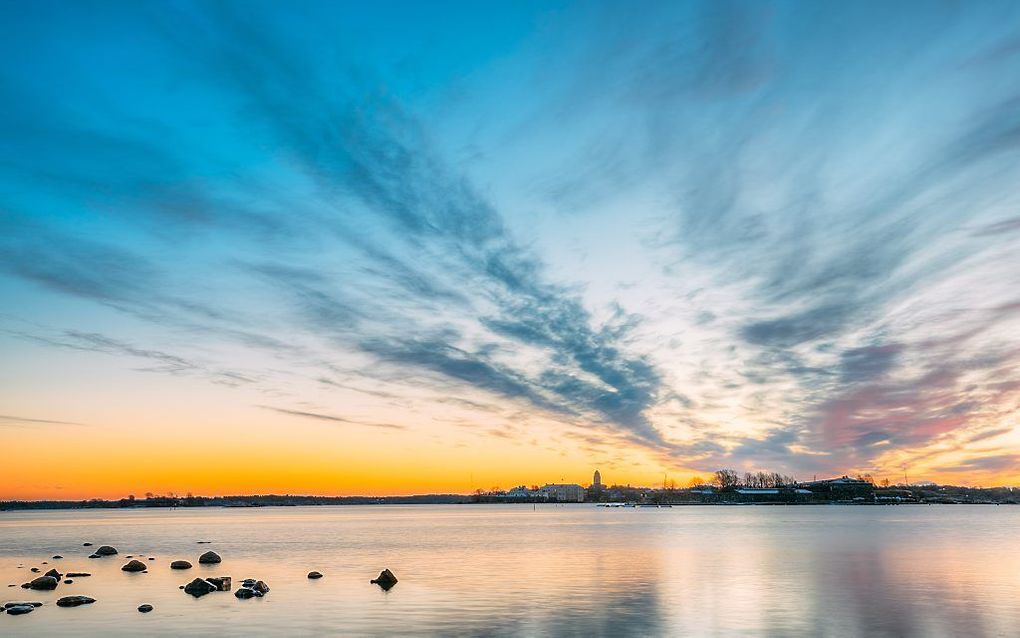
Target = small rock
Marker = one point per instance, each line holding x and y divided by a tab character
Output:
386	580
94	556
152	558
181	587
44	563
134	566
222	583
35	570
57	557
209	558
77	574
199	588
245	593
248	582
68	582
86	544
260	587
180	564
204	542
20	604
18	610
54	573
145	608
43	583
74	601
106	550
314	575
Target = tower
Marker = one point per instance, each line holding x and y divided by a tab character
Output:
597	481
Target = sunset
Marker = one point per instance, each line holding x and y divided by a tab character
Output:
475	251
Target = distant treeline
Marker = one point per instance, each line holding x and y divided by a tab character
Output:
262	500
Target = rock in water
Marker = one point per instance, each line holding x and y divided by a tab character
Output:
57	557
18	610
180	564
68	582
106	550
199	588
314	575
248	582
21	604
44	583
260	588
209	558
86	544
77	574
222	583
245	593
386	580
145	608
74	601
54	573
134	566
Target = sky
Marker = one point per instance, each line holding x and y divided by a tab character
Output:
408	247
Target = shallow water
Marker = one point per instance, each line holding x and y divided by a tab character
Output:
552	570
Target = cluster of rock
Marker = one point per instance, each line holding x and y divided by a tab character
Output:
46	582
251	588
17	609
202	586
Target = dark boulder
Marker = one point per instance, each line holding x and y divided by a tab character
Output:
260	587
146	608
180	564
19	604
152	558
54	573
222	583
74	601
43	583
68	581
106	550
209	558
18	610
386	580
135	566
314	575
248	582
199	588
245	593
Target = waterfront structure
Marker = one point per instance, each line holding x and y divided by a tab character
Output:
596	482
564	492
843	488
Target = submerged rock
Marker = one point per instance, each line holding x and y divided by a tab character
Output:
314	575
106	550
18	610
152	558
57	557
386	580
86	544
43	583
146	608
135	566
199	588
35	570
21	603
209	558
74	601
77	574
68	582
94	556
222	583
180	564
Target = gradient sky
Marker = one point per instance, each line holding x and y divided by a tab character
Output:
433	246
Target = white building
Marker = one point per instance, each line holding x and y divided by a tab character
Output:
564	492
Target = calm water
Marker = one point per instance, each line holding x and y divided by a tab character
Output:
511	570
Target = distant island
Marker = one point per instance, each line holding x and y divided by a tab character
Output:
725	488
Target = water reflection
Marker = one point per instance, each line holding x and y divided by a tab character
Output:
504	570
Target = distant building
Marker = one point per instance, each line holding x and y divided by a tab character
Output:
564	492
843	488
596	482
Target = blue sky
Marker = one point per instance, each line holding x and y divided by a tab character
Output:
666	237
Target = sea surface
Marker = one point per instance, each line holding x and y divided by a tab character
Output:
493	570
